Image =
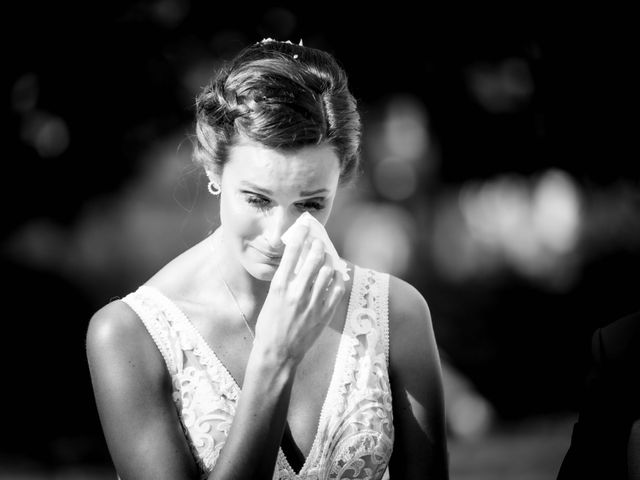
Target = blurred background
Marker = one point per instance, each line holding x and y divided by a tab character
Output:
500	177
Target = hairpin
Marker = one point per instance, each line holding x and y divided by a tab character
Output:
269	40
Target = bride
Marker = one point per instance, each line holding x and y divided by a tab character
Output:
253	356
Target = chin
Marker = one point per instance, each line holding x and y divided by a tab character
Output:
261	271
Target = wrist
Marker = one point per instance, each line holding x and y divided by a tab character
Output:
268	361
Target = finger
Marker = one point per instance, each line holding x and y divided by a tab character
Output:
335	292
321	285
311	265
292	253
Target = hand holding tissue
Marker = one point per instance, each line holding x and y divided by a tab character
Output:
317	230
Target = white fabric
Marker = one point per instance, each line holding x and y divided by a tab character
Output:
317	230
355	433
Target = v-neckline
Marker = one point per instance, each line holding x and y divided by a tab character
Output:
337	373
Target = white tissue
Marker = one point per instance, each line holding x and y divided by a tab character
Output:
316	230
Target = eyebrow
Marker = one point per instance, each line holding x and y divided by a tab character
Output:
266	191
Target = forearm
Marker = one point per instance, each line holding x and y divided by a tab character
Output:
251	448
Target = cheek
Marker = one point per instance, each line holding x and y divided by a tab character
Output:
239	218
323	215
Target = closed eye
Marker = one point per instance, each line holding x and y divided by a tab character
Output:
262	203
258	202
310	205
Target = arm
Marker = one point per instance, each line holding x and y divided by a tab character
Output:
420	449
251	448
133	394
295	312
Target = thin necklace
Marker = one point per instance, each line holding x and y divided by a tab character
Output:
239	309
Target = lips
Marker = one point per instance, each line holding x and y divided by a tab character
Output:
275	256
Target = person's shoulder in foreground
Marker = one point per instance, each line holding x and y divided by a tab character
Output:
605	441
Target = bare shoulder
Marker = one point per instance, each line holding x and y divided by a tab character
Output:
117	341
410	328
114	326
408	308
113	322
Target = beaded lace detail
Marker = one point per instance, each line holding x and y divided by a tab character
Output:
354	439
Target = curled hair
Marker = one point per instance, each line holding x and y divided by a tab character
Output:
283	96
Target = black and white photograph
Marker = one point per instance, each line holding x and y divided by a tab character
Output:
320	242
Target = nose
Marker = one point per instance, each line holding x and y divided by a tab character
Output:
277	223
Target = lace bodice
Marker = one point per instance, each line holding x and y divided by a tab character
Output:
355	432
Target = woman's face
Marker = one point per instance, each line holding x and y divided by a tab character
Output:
264	191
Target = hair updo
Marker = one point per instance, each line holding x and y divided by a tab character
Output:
283	96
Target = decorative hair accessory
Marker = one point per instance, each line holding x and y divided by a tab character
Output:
269	40
214	188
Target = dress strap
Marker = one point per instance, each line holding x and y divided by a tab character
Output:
373	293
381	306
158	323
